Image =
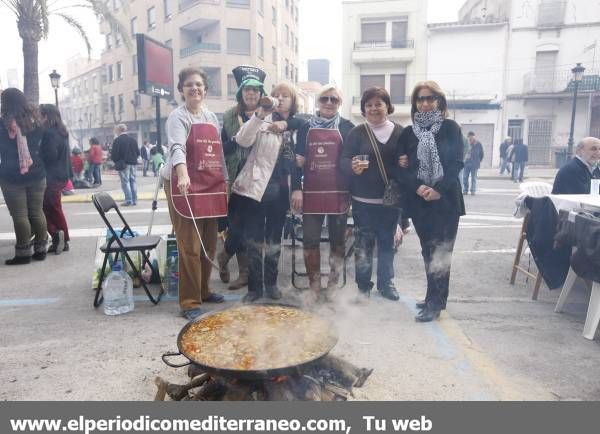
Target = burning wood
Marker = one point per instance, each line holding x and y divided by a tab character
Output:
330	379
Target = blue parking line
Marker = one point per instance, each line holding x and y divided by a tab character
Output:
27	302
166	297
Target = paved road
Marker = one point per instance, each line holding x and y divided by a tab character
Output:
492	343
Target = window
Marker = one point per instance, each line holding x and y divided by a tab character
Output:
136	99
238	41
121	105
133	25
287	68
105	106
231	86
515	129
292	40
214	82
168	9
287	4
367	81
116	4
112	104
134	66
372	32
292	72
274	15
108	40
399	32
151	17
261	7
545	71
398	88
296	44
539	140
118	39
119	71
287	35
297	74
261	46
169	43
238	3
274	53
111	77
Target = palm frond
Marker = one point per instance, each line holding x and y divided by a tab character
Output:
79	28
43	13
10	4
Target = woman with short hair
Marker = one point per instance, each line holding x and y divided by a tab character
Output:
373	221
325	190
22	175
434	145
193	131
260	191
55	153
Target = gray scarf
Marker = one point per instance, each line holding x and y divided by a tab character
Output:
330	124
426	125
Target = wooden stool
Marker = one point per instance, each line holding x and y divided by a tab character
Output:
517	262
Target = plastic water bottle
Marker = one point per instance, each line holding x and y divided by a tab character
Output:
173	273
118	291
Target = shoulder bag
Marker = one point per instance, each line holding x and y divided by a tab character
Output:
392	196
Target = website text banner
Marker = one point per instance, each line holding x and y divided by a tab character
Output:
306	417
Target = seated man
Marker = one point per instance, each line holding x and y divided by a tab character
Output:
575	176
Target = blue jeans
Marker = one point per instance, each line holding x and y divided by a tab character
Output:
373	223
518	171
504	165
145	168
470	171
96	173
128	184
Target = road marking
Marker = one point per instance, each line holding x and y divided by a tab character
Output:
99	232
129	211
12	302
487	251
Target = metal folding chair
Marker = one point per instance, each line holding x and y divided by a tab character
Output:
119	245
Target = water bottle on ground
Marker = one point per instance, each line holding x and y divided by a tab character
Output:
118	291
173	273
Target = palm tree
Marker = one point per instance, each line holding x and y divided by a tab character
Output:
33	18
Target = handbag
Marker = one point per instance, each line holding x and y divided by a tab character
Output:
392	195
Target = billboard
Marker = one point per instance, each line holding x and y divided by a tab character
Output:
155	67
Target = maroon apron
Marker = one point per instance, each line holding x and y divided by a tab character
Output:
326	189
208	190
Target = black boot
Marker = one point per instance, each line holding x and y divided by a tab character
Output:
251	297
39	256
18	260
54	245
389	292
273	292
428	314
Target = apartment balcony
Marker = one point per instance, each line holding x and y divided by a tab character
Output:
199	47
383	51
186	4
559	81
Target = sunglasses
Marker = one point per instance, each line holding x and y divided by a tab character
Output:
330	99
428	98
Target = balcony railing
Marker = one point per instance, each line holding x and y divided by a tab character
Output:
370	45
196	48
186	4
397	100
559	81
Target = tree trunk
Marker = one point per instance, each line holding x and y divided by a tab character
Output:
31	85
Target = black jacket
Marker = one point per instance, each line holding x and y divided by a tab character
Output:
475	155
369	184
449	141
56	156
573	178
344	127
503	148
125	148
9	157
520	153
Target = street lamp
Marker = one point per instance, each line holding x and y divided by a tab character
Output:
55	80
577	77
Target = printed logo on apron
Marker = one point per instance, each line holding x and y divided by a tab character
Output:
204	159
326	189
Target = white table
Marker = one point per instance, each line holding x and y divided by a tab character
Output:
570	202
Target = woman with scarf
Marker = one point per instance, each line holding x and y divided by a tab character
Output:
22	175
373	221
55	153
260	191
434	145
325	191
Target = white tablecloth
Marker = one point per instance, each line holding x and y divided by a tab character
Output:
569	202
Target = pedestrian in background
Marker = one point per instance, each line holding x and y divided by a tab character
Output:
125	153
145	153
519	156
96	160
22	175
473	159
77	164
55	153
504	162
434	145
156	159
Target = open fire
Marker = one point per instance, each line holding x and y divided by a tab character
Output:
328	379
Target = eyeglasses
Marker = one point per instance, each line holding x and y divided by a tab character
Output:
428	98
329	99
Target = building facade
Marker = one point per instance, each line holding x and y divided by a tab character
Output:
384	44
506	66
216	35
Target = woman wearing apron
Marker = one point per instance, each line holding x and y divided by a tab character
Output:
195	180
325	190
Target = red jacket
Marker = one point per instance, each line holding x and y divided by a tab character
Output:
95	156
77	163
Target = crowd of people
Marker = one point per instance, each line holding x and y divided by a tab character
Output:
322	168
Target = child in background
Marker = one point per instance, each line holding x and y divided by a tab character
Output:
77	164
157	159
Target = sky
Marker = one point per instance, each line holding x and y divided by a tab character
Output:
64	43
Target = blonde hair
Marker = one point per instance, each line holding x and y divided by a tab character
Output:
436	90
293	93
330	88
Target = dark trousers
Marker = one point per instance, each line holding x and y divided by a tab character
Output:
53	211
234	243
373	223
437	233
262	228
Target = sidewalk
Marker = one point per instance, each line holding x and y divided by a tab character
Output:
538	173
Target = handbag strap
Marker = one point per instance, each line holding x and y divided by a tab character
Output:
377	154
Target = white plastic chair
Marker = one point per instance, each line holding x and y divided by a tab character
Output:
531	189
